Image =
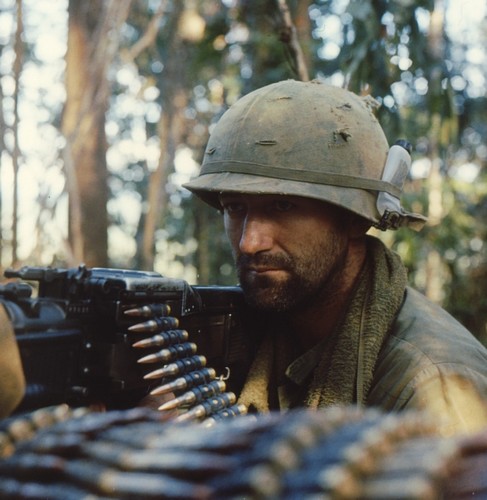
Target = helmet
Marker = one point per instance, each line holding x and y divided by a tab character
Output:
307	139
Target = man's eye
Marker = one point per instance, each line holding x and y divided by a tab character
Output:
283	205
233	207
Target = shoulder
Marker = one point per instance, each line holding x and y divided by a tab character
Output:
426	332
424	329
425	343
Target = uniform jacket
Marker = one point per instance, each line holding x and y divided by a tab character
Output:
431	362
394	349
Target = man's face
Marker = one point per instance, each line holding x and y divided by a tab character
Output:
289	251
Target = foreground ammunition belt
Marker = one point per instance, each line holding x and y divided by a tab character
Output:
340	453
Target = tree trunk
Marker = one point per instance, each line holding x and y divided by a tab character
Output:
3	129
84	129
171	129
302	22
434	269
17	68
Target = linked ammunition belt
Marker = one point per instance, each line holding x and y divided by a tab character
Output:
187	385
339	453
192	447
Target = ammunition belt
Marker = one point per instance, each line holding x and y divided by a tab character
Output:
188	387
344	453
192	447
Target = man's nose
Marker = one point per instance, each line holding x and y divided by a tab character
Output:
257	235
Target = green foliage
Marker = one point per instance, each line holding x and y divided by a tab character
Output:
387	48
411	67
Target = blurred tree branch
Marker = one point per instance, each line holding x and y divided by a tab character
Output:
289	37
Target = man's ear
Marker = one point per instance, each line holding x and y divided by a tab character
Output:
358	226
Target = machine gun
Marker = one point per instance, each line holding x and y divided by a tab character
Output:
74	340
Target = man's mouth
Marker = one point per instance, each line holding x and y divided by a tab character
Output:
264	274
266	269
264	263
261	269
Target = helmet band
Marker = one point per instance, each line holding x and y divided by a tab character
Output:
312	176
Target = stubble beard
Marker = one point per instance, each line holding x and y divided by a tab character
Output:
309	278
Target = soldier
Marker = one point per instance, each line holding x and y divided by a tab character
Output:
12	380
301	171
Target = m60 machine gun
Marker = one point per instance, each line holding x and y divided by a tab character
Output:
74	337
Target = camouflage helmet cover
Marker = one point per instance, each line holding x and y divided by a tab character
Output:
302	139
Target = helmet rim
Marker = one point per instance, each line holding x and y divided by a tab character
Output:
210	186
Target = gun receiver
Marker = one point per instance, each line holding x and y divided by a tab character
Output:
73	336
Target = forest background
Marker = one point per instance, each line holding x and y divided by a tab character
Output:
106	106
